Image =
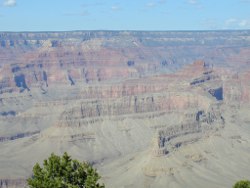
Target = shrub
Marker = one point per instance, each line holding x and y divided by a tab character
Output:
242	184
63	172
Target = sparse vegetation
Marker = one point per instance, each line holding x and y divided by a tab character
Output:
63	172
242	184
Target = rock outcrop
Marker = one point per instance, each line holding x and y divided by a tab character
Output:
105	95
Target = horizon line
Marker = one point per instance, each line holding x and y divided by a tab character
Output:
128	30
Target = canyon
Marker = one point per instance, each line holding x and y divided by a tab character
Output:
146	108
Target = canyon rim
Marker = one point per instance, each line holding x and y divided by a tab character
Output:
147	109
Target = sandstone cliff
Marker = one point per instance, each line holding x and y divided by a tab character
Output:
155	103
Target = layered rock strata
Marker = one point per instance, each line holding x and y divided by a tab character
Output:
103	96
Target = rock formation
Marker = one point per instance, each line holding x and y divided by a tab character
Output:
140	106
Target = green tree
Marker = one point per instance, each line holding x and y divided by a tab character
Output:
63	172
242	184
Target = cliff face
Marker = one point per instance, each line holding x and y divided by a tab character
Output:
103	95
41	59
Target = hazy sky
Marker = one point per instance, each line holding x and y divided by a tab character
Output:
57	15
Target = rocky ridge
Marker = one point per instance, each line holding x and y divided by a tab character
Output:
103	96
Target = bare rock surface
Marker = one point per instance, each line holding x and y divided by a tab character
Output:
147	109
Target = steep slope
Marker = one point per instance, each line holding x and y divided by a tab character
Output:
137	105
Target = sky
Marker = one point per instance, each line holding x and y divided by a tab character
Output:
68	15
